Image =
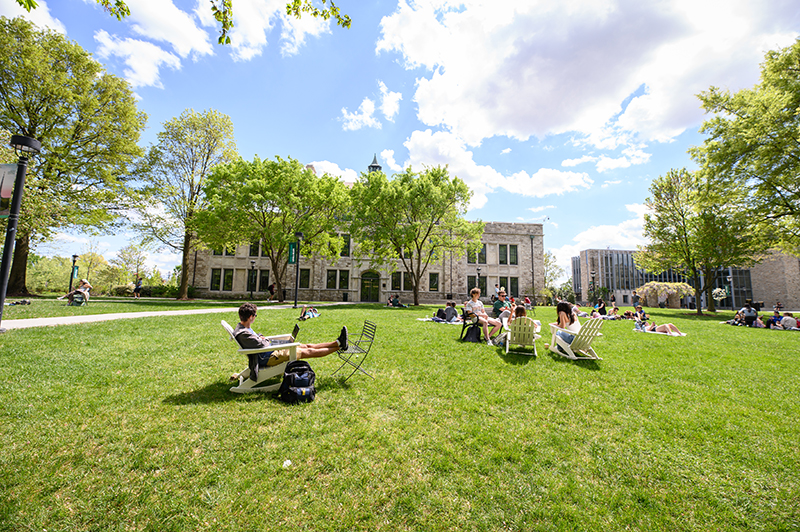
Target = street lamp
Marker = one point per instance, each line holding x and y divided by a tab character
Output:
72	272
22	146
252	277
299	236
593	287
478	285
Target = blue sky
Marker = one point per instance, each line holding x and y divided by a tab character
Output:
561	112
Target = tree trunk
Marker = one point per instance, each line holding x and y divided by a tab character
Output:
183	290
17	278
698	291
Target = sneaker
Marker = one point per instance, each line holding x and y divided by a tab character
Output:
489	341
343	345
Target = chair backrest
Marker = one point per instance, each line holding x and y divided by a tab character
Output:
228	328
367	335
589	330
522	331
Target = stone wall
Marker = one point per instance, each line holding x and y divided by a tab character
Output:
777	278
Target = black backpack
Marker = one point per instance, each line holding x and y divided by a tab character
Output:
298	383
473	334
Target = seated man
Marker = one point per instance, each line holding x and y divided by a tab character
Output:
749	314
249	339
774	322
501	308
450	313
396	302
788	321
83	289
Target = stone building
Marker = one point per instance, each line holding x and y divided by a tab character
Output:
776	278
512	256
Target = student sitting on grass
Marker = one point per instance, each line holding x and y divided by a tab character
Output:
249	339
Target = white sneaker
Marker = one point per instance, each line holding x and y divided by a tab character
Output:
489	342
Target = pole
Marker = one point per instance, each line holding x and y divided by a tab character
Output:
533	276
299	235
11	231
251	281
72	272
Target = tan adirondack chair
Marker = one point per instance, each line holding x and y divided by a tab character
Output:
246	384
581	346
522	331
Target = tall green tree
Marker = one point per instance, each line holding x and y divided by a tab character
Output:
552	271
695	225
131	259
223	12
411	220
270	201
754	138
87	121
188	149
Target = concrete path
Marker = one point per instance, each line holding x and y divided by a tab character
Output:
89	318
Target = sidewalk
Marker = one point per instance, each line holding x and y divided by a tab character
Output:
72	320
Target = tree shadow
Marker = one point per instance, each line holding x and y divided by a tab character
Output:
591	365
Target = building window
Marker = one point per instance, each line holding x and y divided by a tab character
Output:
227	280
254	249
216	276
346	246
407	285
330	280
512	254
264	251
503	281
216	252
625	298
470	257
513	286
396	282
471	284
263	282
305	277
344	279
502	252
433	282
482	255
230	252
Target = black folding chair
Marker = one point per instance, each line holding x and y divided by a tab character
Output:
467	319
357	350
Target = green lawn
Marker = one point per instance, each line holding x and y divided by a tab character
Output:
129	425
51	307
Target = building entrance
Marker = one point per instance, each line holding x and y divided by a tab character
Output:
370	287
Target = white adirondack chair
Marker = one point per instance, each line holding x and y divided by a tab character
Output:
522	331
246	384
581	346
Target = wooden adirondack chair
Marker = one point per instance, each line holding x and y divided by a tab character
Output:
522	331
581	345
246	384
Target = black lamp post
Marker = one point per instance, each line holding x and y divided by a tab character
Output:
593	287
478	285
72	272
23	146
252	277
299	236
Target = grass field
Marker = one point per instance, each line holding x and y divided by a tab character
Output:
129	425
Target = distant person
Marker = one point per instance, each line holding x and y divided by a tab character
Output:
749	314
450	313
788	321
308	312
271	289
83	288
475	306
396	302
137	291
601	307
635	299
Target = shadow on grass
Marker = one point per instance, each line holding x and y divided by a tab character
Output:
219	392
516	359
591	365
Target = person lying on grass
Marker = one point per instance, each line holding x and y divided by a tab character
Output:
249	339
308	312
666	328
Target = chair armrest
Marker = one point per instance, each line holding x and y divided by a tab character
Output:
268	349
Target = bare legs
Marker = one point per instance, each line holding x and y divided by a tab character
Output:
316	350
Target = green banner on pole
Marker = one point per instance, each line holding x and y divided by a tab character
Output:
292	252
74	272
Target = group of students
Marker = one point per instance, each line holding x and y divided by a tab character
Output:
748	317
500	309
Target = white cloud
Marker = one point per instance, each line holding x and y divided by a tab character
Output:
550	68
143	59
540	209
630	157
40	16
507	150
361	118
326	167
544	182
295	30
388	156
390	102
576	162
625	235
161	20
606	184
